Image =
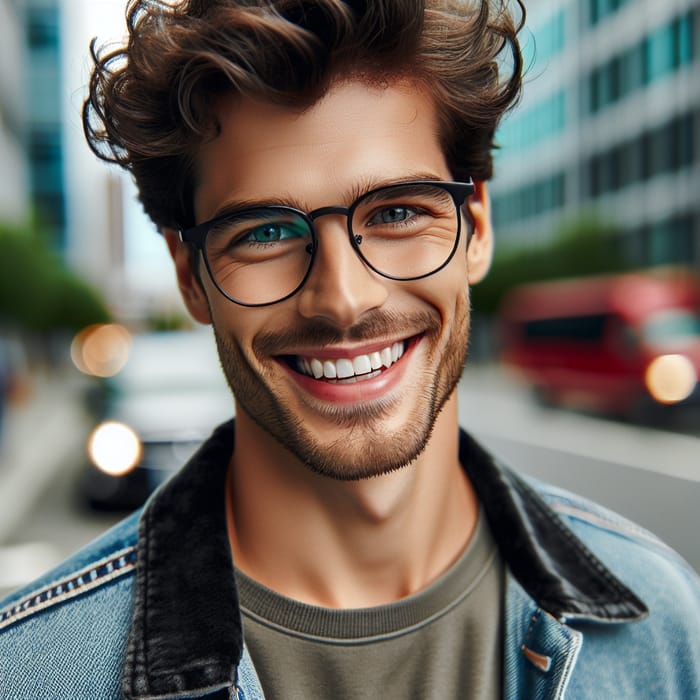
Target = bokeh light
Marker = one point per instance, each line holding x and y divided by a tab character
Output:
114	448
670	378
101	350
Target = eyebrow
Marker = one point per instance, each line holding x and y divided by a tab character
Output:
357	190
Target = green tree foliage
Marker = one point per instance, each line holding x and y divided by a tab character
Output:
38	292
581	247
168	321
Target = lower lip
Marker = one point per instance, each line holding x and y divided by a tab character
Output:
363	390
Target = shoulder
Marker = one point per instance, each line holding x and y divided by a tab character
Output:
73	622
667	638
668	585
618	541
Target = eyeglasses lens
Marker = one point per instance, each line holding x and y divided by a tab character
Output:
261	256
405	231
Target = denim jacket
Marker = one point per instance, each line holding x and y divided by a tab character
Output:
150	610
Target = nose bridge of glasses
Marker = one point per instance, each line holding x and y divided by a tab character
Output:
344	226
328	211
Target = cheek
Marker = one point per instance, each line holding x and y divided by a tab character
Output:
229	323
448	290
239	326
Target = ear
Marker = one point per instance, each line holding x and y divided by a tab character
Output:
190	286
480	249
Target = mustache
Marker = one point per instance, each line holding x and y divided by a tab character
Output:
321	332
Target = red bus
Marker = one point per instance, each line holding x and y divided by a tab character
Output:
616	344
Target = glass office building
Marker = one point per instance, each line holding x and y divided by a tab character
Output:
13	165
43	126
609	124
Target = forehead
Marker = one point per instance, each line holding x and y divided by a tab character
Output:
356	136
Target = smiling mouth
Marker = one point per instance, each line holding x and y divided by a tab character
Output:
347	370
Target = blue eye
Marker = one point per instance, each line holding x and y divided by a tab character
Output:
275	232
393	215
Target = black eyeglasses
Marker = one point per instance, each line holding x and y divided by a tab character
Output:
262	255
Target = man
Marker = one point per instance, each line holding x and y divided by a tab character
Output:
318	170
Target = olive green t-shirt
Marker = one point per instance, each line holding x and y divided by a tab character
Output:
443	643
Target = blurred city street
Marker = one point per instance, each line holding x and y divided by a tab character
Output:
651	476
597	171
42	454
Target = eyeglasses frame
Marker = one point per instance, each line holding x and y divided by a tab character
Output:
197	235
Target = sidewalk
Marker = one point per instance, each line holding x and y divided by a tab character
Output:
39	437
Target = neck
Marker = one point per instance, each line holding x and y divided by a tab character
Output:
347	544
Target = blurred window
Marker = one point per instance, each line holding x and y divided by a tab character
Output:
631	69
684	141
600	9
42	28
670	47
46	154
685	49
659	54
541	121
578	328
671	241
533	199
549	40
630	163
671	326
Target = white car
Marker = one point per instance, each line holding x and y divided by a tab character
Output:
165	401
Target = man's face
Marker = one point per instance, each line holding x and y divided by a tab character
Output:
345	316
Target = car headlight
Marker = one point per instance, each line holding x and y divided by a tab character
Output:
670	378
114	448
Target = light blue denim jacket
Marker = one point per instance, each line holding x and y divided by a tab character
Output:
149	610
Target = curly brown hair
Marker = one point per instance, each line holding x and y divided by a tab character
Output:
150	101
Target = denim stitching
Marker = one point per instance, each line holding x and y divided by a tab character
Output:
617	525
575	640
91	577
533	621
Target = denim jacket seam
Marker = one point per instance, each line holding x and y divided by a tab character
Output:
613	525
70	586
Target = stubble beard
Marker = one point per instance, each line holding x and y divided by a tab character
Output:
363	449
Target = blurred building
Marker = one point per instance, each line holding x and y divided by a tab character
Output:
43	85
14	198
31	116
609	123
110	239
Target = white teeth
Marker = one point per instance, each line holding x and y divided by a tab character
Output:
329	371
362	365
345	368
386	357
316	367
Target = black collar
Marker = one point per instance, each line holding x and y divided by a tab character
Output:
186	635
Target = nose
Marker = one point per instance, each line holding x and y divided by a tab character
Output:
340	287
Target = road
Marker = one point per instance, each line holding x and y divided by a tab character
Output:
652	477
